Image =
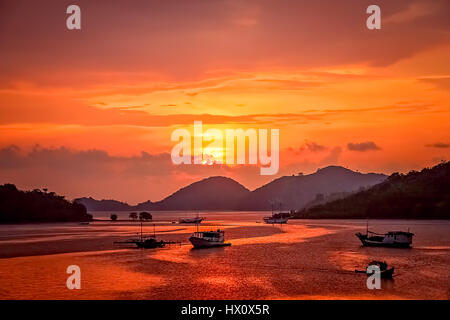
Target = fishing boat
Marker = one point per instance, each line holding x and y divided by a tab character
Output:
196	219
150	243
209	239
385	271
277	218
394	239
146	242
281	217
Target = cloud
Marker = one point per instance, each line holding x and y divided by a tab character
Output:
136	178
210	34
96	173
332	158
442	83
440	145
307	146
362	146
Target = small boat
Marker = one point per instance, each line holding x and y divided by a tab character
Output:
277	218
195	220
385	272
394	239
85	223
150	243
281	217
146	242
209	239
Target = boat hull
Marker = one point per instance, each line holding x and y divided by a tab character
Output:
276	220
385	274
367	242
202	243
191	220
150	244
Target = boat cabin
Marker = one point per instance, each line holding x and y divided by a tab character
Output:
399	236
210	235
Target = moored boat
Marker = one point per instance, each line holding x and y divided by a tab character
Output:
281	217
149	243
209	239
191	220
385	272
394	239
146	242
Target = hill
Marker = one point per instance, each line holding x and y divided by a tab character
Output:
214	193
416	195
37	206
104	205
221	193
295	192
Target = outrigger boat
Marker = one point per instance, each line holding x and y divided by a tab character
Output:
146	242
209	239
394	239
385	272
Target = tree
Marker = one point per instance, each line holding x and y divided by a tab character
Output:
35	206
144	215
133	215
114	217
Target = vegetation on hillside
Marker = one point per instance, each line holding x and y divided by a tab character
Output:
416	195
18	206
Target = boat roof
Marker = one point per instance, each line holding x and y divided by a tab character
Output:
400	232
211	231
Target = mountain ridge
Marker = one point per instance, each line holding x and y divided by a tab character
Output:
224	193
416	195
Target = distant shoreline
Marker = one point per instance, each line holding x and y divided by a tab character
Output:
155	221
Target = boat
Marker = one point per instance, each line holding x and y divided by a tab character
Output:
146	242
195	220
277	218
209	239
385	272
394	239
150	243
281	217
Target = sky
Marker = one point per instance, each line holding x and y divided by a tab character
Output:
90	112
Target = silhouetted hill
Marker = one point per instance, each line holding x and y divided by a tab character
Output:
417	195
36	206
294	192
104	205
214	193
221	193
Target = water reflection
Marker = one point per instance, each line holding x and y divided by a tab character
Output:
302	260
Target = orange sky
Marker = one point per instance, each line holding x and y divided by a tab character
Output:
90	112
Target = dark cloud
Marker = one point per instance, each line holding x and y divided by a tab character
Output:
440	145
158	37
314	147
96	173
362	146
